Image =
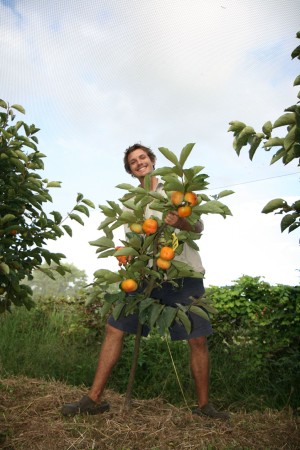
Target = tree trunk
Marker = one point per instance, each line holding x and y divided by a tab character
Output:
148	290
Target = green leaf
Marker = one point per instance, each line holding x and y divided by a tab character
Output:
285	119
68	229
254	144
112	297
18	108
290	138
19	165
168	316
127	217
108	276
287	221
199	311
54	184
125	186
106	253
174	185
297	81
147	183
225	193
88	203
236	126
3	104
115	207
7	218
155	313
183	318
79	197
77	218
83	209
185	154
4	268
244	135
117	310
273	142
162	171
103	242
126	251
109	212
169	155
278	155
274	204
106	222
57	216
211	207
267	128
296	53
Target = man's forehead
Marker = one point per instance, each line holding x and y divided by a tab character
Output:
136	153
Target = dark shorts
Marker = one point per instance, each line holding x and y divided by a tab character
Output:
169	295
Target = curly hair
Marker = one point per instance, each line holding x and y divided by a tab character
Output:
136	147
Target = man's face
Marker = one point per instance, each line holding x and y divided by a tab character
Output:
140	164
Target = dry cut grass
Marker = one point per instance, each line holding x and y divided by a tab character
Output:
30	419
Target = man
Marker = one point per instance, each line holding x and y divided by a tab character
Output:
140	161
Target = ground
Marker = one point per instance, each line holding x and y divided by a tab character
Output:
30	419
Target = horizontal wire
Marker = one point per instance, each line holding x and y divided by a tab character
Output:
253	181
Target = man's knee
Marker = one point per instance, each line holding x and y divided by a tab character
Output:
113	333
198	344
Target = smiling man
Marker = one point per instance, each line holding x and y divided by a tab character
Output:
139	161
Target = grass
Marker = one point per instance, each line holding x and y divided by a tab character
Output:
31	419
53	344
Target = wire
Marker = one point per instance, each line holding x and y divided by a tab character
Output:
254	181
176	373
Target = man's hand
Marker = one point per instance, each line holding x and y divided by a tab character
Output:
173	219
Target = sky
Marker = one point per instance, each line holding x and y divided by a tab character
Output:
99	76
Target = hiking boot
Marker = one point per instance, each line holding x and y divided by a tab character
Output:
85	406
209	410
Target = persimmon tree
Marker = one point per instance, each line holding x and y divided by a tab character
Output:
286	149
145	245
25	227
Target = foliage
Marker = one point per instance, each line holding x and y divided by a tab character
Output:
142	249
255	359
254	314
25	228
67	285
287	149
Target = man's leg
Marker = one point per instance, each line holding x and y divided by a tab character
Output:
109	355
199	361
111	350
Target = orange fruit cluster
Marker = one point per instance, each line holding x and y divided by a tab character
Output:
184	202
165	257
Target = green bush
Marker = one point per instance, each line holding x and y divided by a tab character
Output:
254	349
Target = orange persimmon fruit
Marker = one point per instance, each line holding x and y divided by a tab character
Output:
184	211
163	263
129	285
167	253
177	198
150	226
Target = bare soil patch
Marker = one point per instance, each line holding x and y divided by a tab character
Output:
30	419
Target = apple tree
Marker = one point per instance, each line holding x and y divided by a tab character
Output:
25	227
285	149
